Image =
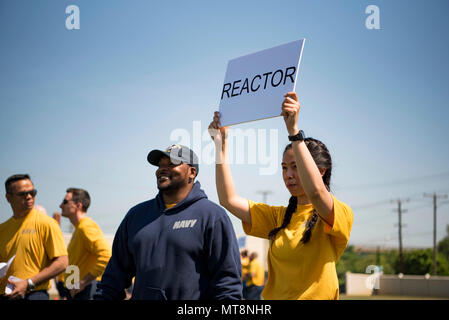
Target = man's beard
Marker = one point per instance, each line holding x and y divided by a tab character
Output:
172	186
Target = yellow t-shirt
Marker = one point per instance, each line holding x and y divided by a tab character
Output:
170	205
296	270
256	269
35	239
245	267
88	249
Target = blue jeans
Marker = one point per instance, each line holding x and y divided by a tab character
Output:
34	295
37	295
253	292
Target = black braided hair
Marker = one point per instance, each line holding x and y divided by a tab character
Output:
292	203
323	160
309	227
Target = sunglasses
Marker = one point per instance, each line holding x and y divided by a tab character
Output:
65	201
26	193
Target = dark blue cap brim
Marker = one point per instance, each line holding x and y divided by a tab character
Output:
155	156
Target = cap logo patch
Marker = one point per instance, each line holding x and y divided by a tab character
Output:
177	146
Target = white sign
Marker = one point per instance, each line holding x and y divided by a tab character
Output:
4	266
255	84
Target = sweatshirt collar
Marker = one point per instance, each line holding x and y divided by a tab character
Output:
194	195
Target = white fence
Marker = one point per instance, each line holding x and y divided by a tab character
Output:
359	284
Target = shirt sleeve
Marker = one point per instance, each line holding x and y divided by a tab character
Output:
54	241
97	245
341	229
264	218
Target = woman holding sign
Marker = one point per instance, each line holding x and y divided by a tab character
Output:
309	235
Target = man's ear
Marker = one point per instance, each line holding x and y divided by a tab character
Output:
193	173
79	206
8	197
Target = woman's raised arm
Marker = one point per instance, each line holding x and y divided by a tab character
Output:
309	174
227	193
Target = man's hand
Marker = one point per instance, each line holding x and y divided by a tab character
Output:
20	289
74	292
82	284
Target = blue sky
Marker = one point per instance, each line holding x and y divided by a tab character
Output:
83	107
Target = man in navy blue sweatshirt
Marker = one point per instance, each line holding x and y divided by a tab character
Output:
179	245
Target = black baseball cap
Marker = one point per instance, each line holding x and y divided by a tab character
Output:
177	154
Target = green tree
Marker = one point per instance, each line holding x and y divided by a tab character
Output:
346	263
443	244
357	262
387	261
420	262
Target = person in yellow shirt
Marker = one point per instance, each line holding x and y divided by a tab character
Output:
33	242
309	235
256	278
88	249
244	260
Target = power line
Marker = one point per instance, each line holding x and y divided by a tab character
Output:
414	209
412	198
417	235
395	182
374	219
370	205
443	203
379	203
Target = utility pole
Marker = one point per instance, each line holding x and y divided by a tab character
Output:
400	211
435	197
264	193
